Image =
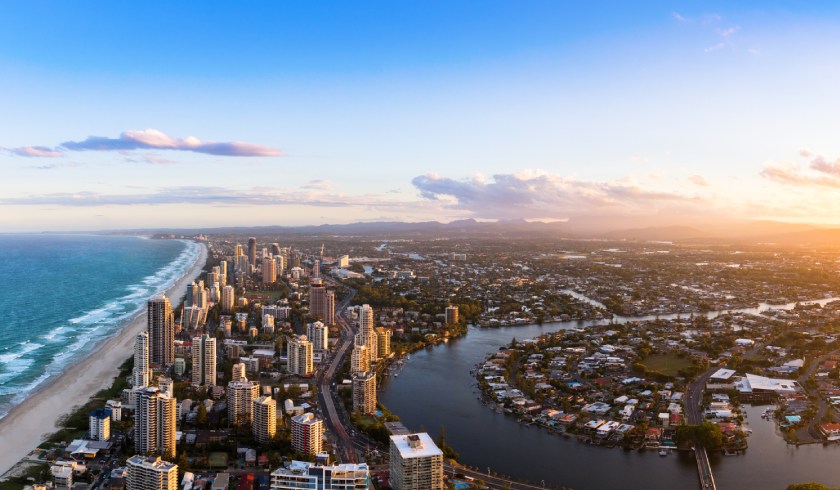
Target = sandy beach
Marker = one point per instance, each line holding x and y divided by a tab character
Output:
23	429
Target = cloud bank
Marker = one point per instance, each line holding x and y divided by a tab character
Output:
820	172
533	195
151	139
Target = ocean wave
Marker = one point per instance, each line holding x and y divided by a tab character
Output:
27	347
85	330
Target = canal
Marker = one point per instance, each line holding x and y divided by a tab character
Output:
436	389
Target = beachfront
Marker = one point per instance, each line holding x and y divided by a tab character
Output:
24	427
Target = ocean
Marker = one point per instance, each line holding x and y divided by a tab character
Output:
61	294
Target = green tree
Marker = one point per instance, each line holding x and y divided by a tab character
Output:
808	486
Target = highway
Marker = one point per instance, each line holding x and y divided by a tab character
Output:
327	397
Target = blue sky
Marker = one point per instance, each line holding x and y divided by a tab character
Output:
314	112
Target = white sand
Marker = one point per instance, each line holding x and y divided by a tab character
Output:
23	429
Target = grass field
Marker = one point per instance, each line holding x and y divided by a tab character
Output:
667	364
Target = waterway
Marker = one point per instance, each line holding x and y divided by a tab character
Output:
436	389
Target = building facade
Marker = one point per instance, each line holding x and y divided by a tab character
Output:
364	392
141	373
265	419
155	416
383	342
451	315
146	473
204	361
240	398
307	433
318	334
300	354
227	299
416	463
161	327
301	474
99	424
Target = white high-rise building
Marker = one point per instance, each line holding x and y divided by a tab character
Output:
204	361
307	433
150	473
227	299
416	463
155	415
318	334
240	399
364	392
161	327
265	419
367	331
300	356
141	373
359	359
99	424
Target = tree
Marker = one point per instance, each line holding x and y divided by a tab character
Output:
201	416
808	486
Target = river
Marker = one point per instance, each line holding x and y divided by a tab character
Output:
436	388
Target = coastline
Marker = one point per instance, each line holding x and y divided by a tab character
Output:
25	426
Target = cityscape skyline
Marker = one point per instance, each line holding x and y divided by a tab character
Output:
123	116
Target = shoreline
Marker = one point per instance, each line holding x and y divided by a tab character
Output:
26	424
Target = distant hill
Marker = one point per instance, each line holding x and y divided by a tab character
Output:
730	231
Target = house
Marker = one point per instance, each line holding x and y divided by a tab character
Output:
831	431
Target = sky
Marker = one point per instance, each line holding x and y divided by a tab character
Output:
197	114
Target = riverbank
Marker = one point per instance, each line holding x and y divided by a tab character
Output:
24	428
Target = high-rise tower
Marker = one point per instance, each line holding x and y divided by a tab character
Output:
252	251
154	423
204	361
161	326
140	375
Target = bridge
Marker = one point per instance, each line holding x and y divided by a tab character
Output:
694	416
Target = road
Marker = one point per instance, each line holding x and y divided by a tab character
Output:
822	404
694	416
490	481
327	397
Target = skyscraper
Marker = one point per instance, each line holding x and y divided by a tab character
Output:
359	359
265	419
364	392
140	375
367	332
451	315
155	415
307	433
269	270
227	299
383	342
150	473
300	356
416	463
322	304
204	361
161	325
252	251
329	308
240	398
318	333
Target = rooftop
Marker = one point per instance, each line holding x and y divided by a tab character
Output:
418	445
